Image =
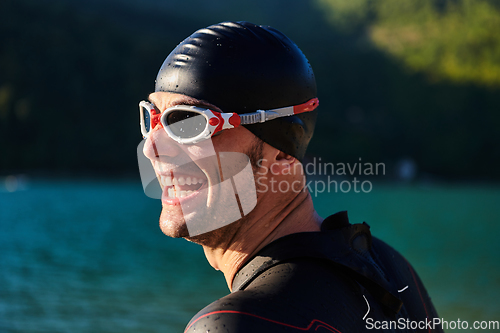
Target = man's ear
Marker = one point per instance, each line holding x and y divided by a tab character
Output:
283	163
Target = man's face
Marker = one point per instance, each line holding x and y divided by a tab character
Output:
198	187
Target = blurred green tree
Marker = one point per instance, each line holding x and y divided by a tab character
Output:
454	40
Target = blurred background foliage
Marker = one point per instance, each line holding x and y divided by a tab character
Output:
447	40
398	80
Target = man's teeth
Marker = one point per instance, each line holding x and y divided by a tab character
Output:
175	182
172	193
169	181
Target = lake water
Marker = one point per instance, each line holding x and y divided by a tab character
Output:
88	255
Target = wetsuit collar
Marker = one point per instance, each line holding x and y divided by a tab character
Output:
341	244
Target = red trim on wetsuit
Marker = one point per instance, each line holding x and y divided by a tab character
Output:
321	324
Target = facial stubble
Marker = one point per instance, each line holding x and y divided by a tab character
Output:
225	234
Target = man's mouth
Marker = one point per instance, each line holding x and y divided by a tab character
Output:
179	182
181	186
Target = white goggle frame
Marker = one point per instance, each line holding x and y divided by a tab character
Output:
216	121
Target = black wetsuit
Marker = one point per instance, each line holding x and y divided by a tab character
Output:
338	280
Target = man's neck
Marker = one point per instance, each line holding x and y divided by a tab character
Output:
298	216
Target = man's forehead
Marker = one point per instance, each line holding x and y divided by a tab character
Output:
163	100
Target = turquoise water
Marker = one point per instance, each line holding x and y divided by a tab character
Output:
88	256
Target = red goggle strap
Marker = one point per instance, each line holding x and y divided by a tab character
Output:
307	106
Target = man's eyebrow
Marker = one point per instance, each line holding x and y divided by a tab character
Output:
198	103
190	101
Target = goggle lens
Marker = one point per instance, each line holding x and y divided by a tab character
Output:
186	124
146	119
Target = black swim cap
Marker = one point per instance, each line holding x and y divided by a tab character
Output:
242	67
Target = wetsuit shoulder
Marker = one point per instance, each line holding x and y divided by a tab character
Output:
296	296
278	292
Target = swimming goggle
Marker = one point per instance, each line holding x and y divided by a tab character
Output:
191	124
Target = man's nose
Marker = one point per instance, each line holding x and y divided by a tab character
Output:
159	144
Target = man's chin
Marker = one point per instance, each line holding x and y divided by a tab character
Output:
176	226
174	229
180	230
